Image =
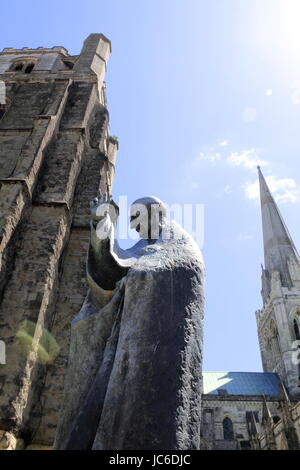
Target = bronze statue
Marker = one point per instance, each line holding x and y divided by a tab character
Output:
134	374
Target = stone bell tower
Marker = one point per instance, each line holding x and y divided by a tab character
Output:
55	155
278	322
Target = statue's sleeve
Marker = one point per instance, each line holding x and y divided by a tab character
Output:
102	266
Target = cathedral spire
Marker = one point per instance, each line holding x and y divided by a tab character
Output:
278	244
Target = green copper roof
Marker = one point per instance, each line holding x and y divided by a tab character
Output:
240	383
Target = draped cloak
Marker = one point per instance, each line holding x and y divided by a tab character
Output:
134	375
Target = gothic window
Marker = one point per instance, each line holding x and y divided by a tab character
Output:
296	329
18	67
267	348
29	67
24	65
228	429
276	346
2	111
275	341
273	328
267	339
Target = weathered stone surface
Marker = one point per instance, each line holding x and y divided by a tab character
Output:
28	296
61	169
14	204
12	144
53	139
81	98
28	101
71	294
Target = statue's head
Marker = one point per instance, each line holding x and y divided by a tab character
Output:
147	216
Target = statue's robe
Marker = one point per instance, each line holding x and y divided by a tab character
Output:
134	375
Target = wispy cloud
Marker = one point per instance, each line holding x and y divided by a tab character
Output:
248	159
283	189
211	157
269	92
223	143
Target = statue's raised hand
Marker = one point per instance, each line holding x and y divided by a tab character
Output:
104	214
99	207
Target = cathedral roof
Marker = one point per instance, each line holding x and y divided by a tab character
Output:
241	383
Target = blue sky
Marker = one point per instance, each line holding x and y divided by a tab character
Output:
198	91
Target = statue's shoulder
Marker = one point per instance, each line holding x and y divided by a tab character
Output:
175	247
184	242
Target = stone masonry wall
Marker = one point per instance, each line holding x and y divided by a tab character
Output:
215	409
55	154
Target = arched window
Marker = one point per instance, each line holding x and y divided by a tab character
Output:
18	67
29	67
275	342
24	64
2	111
228	429
267	340
296	329
273	328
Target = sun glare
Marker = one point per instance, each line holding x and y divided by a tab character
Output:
274	30
286	26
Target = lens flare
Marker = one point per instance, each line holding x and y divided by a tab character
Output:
32	338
